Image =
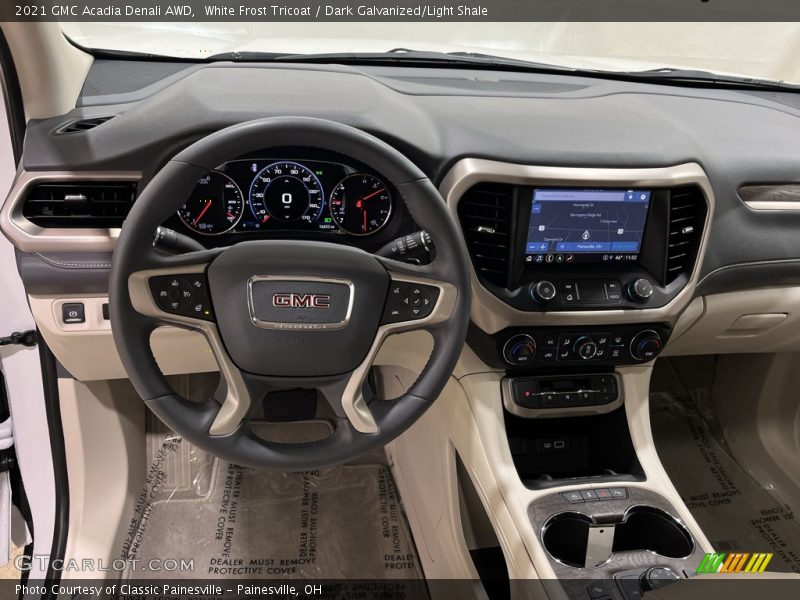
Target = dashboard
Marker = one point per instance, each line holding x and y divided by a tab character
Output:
263	194
594	211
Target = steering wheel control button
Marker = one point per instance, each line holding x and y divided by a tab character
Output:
73	313
543	292
645	345
640	290
185	295
519	350
409	302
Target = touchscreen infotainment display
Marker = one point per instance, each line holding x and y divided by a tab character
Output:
586	225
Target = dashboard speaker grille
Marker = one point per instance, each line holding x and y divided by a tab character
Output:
687	215
485	216
79	203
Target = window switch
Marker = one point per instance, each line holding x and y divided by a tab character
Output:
105	311
73	312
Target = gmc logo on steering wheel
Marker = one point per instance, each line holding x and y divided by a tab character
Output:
301	300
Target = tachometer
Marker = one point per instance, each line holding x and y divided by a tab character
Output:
287	192
361	204
214	206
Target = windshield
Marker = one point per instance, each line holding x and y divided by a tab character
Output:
759	50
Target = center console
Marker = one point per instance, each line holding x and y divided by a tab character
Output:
579	276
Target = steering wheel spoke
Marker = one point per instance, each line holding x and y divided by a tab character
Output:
174	291
415	302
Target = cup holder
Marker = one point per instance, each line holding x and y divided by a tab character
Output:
642	528
647	528
565	537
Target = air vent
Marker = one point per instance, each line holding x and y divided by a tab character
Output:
79	203
485	216
687	215
82	125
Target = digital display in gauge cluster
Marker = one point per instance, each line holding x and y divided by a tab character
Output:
274	194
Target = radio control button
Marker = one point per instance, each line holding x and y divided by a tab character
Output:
569	292
543	292
613	291
640	290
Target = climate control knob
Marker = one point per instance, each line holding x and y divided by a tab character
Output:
640	290
585	348
543	291
520	350
646	345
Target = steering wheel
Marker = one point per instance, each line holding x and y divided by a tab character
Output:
288	314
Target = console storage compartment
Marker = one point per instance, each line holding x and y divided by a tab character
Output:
549	452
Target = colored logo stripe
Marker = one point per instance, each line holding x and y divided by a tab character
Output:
735	562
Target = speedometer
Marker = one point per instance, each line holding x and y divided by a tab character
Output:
287	192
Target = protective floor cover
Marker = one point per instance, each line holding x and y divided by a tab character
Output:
338	523
734	511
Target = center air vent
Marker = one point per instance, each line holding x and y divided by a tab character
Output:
485	216
79	203
82	125
687	215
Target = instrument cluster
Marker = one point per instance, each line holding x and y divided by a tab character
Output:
260	195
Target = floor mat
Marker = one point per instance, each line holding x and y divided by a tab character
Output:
233	522
732	508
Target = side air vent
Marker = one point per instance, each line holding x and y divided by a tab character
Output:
79	203
687	214
82	125
485	216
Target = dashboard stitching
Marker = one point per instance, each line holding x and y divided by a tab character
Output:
73	265
748	264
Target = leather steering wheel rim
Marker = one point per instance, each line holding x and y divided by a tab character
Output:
135	260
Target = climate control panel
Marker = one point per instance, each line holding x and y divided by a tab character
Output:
543	347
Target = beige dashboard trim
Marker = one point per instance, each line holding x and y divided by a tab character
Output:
28	237
492	314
